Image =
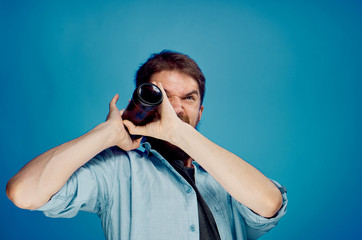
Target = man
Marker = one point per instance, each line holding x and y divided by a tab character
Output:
182	186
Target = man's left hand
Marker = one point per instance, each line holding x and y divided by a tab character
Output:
163	127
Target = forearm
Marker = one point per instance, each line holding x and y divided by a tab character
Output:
240	179
42	177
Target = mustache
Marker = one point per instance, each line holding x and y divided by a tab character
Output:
183	118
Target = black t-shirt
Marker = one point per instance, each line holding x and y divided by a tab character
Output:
207	224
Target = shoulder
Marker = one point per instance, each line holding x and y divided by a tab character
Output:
112	159
114	154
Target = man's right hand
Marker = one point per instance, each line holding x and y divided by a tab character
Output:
121	137
44	176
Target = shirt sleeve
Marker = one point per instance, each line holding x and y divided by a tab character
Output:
257	225
86	190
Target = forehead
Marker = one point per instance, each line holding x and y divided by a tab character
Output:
175	82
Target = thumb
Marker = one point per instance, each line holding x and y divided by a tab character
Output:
112	104
133	129
121	112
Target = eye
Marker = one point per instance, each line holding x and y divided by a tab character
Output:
192	98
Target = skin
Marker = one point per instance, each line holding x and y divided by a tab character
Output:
180	112
183	94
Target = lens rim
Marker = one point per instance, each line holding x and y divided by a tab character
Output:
145	102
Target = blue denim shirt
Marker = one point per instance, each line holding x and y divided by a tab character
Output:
138	195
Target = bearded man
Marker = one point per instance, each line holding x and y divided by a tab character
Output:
181	186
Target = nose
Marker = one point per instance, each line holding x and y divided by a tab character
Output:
176	104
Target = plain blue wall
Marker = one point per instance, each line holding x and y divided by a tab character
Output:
283	92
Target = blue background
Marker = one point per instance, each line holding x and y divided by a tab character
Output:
283	92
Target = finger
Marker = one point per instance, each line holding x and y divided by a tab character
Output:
121	112
130	126
165	100
159	85
112	104
163	93
133	129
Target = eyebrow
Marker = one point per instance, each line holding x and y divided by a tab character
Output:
192	92
188	94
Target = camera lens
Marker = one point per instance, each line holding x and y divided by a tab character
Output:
149	94
143	105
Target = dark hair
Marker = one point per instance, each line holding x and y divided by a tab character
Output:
171	61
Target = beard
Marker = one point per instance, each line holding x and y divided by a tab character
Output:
168	150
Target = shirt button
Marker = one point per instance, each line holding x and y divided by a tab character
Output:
188	190
192	228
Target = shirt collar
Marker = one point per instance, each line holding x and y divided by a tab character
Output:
148	150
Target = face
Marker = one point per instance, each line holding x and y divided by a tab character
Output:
183	93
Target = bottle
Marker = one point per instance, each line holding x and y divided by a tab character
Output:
144	104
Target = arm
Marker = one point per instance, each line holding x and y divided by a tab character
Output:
44	176
241	180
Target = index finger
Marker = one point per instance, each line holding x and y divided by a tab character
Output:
165	102
159	85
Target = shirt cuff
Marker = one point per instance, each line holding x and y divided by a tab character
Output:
256	221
